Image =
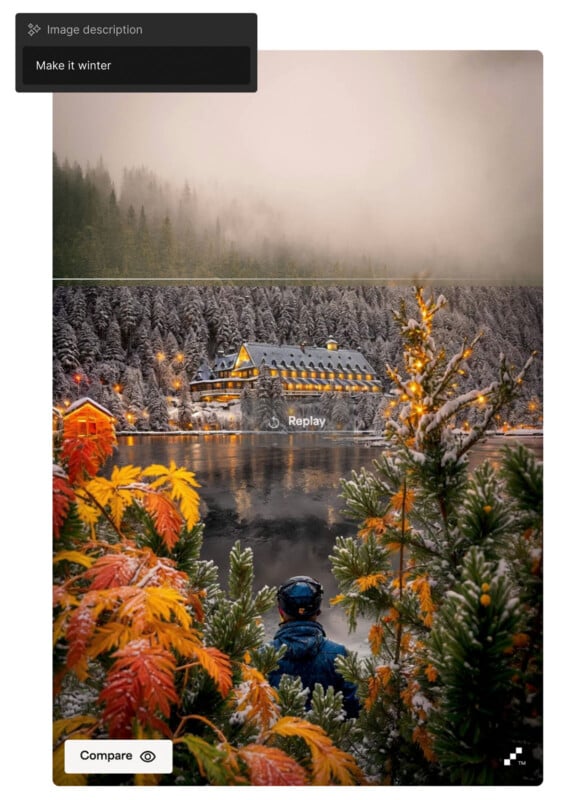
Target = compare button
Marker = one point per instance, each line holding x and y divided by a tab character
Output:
118	756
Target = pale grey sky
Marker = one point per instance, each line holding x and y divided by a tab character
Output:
425	160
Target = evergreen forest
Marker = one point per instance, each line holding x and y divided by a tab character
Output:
136	348
135	344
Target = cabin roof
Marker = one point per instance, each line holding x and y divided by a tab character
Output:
82	401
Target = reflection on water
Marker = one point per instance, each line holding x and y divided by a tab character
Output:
279	494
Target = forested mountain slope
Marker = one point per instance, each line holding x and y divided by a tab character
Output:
133	348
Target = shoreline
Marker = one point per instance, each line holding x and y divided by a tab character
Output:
364	435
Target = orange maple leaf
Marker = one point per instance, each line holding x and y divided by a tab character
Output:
167	519
376	635
375	525
269	766
180	484
113	569
139	685
217	665
423	738
256	699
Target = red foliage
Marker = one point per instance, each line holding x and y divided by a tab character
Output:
139	685
63	495
84	455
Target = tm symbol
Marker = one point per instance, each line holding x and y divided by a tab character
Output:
521	763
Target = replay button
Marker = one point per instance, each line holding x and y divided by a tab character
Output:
118	756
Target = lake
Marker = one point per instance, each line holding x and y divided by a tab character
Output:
279	493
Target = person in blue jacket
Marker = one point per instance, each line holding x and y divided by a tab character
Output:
309	655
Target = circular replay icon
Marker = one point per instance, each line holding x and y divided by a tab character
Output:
273	423
147	756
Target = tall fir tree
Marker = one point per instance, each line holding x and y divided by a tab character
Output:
435	566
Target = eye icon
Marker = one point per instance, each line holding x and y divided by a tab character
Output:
147	756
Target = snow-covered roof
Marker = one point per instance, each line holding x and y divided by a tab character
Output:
82	401
299	357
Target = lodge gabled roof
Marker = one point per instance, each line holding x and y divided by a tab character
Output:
298	357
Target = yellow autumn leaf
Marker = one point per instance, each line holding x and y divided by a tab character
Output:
62	778
112	636
70	725
113	493
172	636
365	582
337	599
79	727
142	606
403	501
88	513
180	483
329	764
399	581
75	556
59	625
125	476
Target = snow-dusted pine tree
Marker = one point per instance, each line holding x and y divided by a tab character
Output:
447	565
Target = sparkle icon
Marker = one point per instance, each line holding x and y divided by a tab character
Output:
32	29
512	756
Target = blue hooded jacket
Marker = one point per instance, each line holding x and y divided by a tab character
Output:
311	656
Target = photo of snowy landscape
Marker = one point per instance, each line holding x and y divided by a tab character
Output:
158	357
301	333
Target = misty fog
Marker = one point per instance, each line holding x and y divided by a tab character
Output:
427	162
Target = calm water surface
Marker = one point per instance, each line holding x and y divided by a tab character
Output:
278	493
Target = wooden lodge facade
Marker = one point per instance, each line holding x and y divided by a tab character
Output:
302	370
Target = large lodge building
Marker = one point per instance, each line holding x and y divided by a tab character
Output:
303	371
